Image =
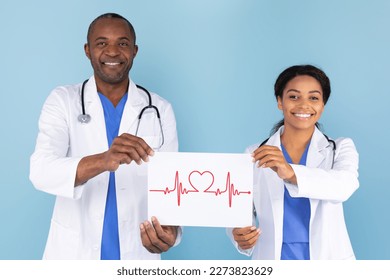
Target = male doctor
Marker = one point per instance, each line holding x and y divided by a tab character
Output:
95	162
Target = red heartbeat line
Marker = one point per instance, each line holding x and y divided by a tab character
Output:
178	187
230	188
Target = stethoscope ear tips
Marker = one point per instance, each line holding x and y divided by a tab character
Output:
84	118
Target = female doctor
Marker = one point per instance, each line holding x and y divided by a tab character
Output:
301	178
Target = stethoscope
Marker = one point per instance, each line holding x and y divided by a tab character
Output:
85	118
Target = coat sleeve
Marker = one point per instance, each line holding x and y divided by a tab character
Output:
336	184
51	170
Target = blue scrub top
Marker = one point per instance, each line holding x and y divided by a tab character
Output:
296	219
110	237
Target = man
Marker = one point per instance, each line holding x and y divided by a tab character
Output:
92	152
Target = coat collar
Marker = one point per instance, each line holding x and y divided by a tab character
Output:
317	150
135	102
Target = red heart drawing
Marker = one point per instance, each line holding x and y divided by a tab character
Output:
201	180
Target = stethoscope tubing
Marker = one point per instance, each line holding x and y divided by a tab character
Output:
82	97
85	118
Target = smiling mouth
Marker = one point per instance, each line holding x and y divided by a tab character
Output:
111	63
303	115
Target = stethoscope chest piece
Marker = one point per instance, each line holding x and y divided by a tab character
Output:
84	118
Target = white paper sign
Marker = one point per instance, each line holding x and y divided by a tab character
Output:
201	189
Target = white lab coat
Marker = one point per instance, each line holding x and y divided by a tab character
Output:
77	221
326	187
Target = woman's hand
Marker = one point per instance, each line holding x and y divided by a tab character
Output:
272	157
246	237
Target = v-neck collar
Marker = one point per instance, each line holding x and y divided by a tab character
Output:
302	161
112	115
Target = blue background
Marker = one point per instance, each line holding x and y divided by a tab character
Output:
216	62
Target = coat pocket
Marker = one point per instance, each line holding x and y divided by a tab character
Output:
62	243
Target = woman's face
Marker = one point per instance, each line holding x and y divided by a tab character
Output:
302	103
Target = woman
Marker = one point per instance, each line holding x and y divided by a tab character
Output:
301	178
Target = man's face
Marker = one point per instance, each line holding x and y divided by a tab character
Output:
111	50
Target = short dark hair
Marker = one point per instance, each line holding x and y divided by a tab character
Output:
111	15
302	70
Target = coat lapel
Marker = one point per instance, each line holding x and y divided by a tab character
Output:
273	182
132	109
317	149
316	158
93	107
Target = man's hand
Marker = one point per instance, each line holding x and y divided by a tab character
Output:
124	149
157	238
